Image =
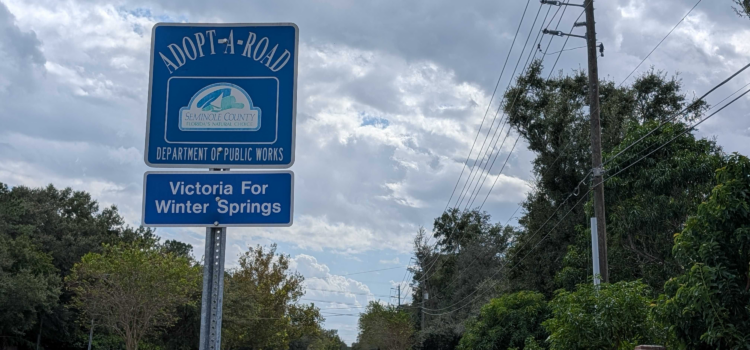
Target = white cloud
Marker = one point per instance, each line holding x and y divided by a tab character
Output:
319	233
387	109
391	151
333	294
393	261
20	55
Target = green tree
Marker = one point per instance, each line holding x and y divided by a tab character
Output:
65	225
29	286
466	258
260	303
132	289
612	316
646	204
708	305
385	327
509	321
326	340
552	117
184	333
743	8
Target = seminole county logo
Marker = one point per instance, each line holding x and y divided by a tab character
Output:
220	107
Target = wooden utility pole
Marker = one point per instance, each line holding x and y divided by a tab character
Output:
91	333
425	295
399	295
596	139
39	335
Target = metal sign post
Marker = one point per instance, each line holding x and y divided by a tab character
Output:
220	96
213	288
217	199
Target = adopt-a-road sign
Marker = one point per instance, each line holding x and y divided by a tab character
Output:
218	198
222	95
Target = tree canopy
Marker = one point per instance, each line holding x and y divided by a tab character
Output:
64	225
29	286
611	316
708	304
261	309
743	8
49	234
132	289
466	258
507	322
647	202
552	117
657	175
385	327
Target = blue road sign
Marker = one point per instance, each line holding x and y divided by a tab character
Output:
218	198
222	95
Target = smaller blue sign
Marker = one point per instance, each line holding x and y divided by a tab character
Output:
218	198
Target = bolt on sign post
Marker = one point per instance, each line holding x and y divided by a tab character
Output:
220	96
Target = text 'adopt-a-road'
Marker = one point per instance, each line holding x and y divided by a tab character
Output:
221	96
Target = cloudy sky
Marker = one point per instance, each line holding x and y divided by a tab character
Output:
390	97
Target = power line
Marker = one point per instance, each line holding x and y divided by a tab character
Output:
470	178
572	48
346	292
673	117
361	272
459	200
488	193
574	193
511	215
514	212
687	130
468	157
681	133
329	301
679	113
502	267
565	43
514	100
580	200
489	105
565	8
479	188
479	185
343	308
738	90
662	40
710	109
406	272
426	273
498	175
701	98
501	126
